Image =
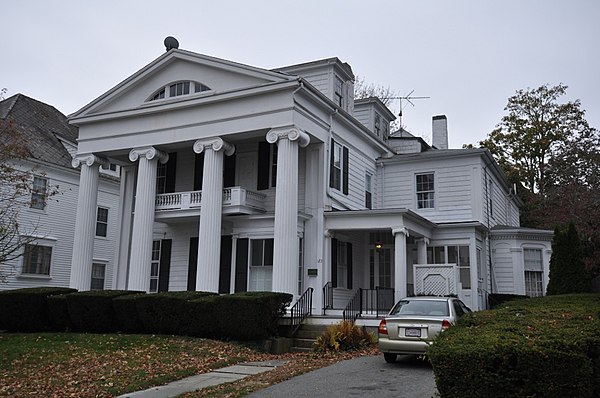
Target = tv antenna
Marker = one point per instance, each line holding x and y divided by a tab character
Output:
408	98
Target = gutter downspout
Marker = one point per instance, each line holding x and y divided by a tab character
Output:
488	234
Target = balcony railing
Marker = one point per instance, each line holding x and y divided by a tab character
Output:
235	200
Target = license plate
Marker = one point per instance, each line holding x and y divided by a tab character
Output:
412	332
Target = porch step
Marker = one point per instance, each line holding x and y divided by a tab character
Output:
306	335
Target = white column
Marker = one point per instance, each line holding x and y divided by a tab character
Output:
285	249
85	221
209	233
400	235
422	250
143	219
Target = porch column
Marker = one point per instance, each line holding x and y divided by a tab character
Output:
143	219
400	235
211	209
285	250
85	221
422	250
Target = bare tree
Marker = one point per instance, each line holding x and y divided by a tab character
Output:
16	193
363	89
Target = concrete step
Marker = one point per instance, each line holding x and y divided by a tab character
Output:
303	343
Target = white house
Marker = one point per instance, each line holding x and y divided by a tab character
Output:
47	222
238	178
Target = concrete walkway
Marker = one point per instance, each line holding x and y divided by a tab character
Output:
193	383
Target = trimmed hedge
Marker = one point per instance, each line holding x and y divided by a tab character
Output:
497	299
92	311
239	316
59	313
26	310
542	347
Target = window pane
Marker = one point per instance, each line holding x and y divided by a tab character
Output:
36	259
453	255
533	259
101	229
439	255
465	277
257	252
268	252
464	259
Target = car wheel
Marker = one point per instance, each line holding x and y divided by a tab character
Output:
389	358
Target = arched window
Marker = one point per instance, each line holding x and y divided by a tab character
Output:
177	89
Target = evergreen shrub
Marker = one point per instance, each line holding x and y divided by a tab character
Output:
26	310
497	299
541	347
58	312
93	311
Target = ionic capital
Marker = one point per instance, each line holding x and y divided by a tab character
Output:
291	133
89	159
400	230
216	144
149	153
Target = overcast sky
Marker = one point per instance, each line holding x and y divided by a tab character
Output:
467	56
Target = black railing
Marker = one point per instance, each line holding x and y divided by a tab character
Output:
354	307
301	310
327	296
376	302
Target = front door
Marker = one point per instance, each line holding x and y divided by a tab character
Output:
381	267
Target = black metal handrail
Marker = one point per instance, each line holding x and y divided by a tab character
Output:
354	307
301	310
327	296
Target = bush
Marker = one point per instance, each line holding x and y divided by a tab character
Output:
166	312
126	313
93	311
497	299
542	347
343	336
239	316
26	310
58	311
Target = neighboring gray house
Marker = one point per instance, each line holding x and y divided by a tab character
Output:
49	222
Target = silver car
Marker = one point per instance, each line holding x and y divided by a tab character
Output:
413	322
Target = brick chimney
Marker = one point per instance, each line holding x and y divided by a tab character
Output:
439	132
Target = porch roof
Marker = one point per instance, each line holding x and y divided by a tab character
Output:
379	219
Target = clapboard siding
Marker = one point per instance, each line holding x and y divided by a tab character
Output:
321	80
503	268
55	227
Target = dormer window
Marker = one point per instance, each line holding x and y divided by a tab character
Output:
378	125
338	93
178	89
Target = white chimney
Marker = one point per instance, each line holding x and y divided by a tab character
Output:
439	132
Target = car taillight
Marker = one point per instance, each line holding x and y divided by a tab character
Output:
445	324
383	327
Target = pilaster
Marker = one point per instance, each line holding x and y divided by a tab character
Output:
400	235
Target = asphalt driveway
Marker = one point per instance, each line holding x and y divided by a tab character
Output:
358	377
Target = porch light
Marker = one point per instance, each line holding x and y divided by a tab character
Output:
378	245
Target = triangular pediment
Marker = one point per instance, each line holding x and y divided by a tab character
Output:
217	76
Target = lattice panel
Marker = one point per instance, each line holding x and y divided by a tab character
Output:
436	279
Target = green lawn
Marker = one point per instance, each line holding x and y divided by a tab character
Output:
104	365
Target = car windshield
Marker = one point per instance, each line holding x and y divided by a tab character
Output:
421	307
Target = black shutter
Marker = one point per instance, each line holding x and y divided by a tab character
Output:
334	246
192	264
225	265
171	173
165	265
229	171
241	265
264	150
345	172
198	171
349	265
331	162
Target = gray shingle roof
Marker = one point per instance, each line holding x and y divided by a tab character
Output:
39	125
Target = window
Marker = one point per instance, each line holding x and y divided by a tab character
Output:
368	191
37	259
378	125
261	265
39	193
155	266
267	165
178	89
102	221
339	167
98	272
458	255
534	271
337	92
161	178
425	191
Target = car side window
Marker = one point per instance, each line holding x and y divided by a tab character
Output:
465	309
458	309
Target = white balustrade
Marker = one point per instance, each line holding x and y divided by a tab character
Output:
233	196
